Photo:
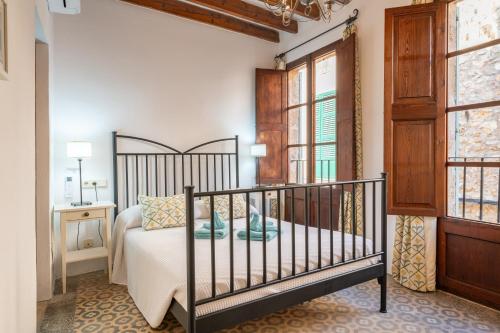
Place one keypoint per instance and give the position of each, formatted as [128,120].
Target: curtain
[358,143]
[412,264]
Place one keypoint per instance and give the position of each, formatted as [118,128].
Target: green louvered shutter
[325,132]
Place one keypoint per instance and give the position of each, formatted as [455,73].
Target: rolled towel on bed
[256,224]
[204,233]
[257,235]
[220,229]
[256,232]
[218,223]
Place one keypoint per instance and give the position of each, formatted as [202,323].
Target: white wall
[17,176]
[146,73]
[370,25]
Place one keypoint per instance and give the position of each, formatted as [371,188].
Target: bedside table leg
[63,254]
[108,244]
[104,222]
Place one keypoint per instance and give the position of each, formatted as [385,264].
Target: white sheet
[128,219]
[153,264]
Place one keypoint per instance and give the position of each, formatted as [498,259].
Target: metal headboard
[166,170]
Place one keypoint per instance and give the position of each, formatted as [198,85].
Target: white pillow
[202,207]
[201,210]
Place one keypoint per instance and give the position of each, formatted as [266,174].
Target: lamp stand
[258,171]
[81,203]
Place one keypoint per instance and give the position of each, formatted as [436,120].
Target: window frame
[310,145]
[473,162]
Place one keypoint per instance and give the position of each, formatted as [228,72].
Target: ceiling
[250,18]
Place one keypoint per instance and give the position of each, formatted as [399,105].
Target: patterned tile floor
[92,305]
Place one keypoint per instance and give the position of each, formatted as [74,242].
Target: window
[297,124]
[312,118]
[473,112]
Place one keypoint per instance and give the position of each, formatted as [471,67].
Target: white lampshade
[258,150]
[79,149]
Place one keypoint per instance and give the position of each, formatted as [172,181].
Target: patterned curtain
[409,261]
[350,30]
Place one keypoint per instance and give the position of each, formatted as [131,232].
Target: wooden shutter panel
[414,106]
[346,167]
[271,124]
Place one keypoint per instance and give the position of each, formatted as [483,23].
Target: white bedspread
[153,263]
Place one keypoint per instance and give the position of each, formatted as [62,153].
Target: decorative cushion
[163,212]
[221,206]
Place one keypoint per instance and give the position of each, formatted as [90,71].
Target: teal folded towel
[218,223]
[220,229]
[256,224]
[256,232]
[257,235]
[204,233]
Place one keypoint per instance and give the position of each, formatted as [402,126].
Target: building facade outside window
[473,111]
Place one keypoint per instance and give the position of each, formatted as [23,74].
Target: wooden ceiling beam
[249,12]
[301,10]
[207,16]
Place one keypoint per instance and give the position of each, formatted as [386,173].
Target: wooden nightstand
[69,214]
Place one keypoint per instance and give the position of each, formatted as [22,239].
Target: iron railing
[483,163]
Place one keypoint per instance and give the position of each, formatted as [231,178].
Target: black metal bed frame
[148,171]
[231,316]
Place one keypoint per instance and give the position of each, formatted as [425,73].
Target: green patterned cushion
[163,212]
[221,205]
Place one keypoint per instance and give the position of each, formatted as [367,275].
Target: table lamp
[258,151]
[79,150]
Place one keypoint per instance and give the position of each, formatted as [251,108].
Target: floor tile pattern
[93,305]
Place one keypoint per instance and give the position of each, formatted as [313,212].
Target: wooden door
[271,124]
[415,150]
[469,259]
[469,236]
[414,107]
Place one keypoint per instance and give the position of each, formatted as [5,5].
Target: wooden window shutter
[271,124]
[346,169]
[414,107]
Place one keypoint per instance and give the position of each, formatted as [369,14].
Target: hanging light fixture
[287,9]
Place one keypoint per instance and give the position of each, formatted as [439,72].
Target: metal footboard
[364,217]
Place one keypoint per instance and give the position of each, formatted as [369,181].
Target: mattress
[153,265]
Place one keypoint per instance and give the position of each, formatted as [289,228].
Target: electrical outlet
[88,243]
[90,183]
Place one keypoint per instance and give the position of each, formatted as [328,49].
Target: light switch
[90,183]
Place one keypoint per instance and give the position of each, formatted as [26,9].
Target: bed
[212,284]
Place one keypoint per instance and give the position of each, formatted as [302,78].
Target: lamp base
[79,204]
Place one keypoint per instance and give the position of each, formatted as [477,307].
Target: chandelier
[287,9]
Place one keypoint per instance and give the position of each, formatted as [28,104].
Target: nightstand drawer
[85,214]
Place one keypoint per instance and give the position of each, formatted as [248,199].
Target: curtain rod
[348,22]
